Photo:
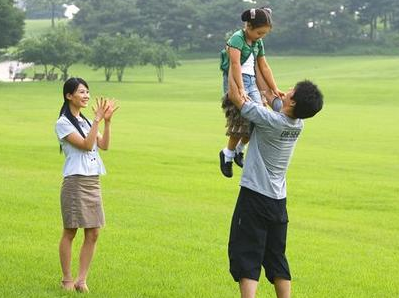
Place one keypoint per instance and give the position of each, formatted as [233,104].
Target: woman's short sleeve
[64,127]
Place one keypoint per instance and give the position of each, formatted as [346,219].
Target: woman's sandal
[68,285]
[81,286]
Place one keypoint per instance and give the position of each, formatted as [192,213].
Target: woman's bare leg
[86,253]
[65,251]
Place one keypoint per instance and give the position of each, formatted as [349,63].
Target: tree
[174,21]
[185,24]
[11,24]
[115,53]
[311,25]
[34,49]
[160,55]
[102,54]
[218,20]
[204,25]
[191,24]
[370,12]
[64,48]
[394,17]
[128,52]
[60,48]
[104,16]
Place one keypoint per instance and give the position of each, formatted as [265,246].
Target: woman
[81,204]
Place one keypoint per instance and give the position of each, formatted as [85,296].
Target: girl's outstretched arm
[234,95]
[235,69]
[267,74]
[264,89]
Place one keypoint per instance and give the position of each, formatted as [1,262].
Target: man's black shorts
[258,237]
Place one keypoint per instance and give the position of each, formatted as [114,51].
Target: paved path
[4,70]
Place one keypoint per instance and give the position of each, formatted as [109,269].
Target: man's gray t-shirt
[270,149]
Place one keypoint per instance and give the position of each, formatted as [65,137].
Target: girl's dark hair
[70,87]
[308,98]
[258,17]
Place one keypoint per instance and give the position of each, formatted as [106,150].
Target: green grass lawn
[167,206]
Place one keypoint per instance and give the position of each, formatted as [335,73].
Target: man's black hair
[308,98]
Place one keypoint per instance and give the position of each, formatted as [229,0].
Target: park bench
[38,76]
[19,76]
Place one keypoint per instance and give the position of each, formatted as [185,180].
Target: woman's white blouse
[78,161]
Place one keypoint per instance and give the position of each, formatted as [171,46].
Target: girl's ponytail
[258,17]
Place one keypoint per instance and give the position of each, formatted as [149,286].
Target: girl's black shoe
[239,159]
[225,167]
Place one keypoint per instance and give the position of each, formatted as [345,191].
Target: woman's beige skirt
[81,204]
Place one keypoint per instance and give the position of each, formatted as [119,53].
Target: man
[259,224]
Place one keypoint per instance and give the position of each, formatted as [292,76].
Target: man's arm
[253,112]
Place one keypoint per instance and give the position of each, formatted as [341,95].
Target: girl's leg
[244,140]
[239,151]
[232,144]
[227,154]
[226,157]
[86,255]
[65,251]
[229,151]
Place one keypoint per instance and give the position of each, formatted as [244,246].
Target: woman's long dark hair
[70,87]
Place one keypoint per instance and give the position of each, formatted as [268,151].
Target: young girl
[243,55]
[81,204]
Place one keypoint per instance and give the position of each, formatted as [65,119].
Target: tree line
[62,47]
[204,25]
[181,26]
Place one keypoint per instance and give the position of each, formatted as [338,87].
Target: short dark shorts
[258,237]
